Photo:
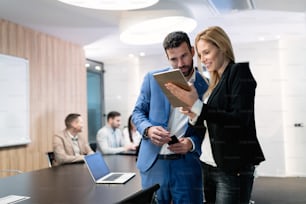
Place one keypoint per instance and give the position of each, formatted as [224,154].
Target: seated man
[68,145]
[110,139]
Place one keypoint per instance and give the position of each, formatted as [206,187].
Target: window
[95,98]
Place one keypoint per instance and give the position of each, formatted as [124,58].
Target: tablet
[176,77]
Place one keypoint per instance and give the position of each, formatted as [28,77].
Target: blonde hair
[220,39]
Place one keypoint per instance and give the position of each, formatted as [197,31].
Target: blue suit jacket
[153,109]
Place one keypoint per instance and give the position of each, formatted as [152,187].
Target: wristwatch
[145,134]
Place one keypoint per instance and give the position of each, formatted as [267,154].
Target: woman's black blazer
[229,114]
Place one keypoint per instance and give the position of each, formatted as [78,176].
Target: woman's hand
[188,112]
[182,147]
[188,97]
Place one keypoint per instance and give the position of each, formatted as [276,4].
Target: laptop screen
[97,165]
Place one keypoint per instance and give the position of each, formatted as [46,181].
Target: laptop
[100,172]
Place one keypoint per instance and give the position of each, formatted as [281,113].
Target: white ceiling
[98,31]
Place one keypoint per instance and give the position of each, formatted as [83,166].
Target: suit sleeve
[140,115]
[196,135]
[240,109]
[87,148]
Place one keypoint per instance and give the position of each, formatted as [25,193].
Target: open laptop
[100,172]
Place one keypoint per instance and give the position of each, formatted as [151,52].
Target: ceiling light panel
[152,27]
[111,4]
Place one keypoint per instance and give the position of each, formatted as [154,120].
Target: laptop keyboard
[112,177]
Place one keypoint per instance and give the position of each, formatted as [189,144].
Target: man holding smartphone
[173,140]
[175,167]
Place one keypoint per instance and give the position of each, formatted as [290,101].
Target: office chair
[144,196]
[93,146]
[51,158]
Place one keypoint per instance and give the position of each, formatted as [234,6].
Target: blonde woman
[230,148]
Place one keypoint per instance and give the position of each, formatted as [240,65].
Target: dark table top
[72,184]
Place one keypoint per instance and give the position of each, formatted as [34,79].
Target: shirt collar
[71,136]
[193,76]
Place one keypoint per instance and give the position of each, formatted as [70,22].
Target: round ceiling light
[151,30]
[111,4]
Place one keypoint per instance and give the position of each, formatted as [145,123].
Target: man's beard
[190,69]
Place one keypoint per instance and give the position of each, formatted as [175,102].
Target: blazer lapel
[215,91]
[217,88]
[68,142]
[167,105]
[163,101]
[81,144]
[200,86]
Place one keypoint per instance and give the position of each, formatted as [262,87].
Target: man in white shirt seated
[110,139]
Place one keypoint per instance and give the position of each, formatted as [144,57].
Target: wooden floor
[268,190]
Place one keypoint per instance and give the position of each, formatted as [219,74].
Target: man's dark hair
[71,117]
[112,115]
[175,39]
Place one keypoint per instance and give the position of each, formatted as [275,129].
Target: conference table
[72,184]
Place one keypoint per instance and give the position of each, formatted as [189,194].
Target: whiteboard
[14,101]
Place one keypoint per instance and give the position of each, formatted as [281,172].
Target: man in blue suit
[175,167]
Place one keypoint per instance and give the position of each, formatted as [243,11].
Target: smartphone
[173,140]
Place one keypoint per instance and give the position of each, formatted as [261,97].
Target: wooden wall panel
[57,87]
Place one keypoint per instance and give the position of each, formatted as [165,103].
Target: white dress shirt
[135,135]
[110,141]
[75,144]
[207,155]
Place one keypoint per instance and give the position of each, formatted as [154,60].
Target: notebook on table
[100,172]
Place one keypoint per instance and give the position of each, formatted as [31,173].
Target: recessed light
[98,68]
[111,4]
[152,26]
[87,65]
[154,31]
[142,54]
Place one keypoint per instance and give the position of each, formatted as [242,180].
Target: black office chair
[93,146]
[51,158]
[145,196]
